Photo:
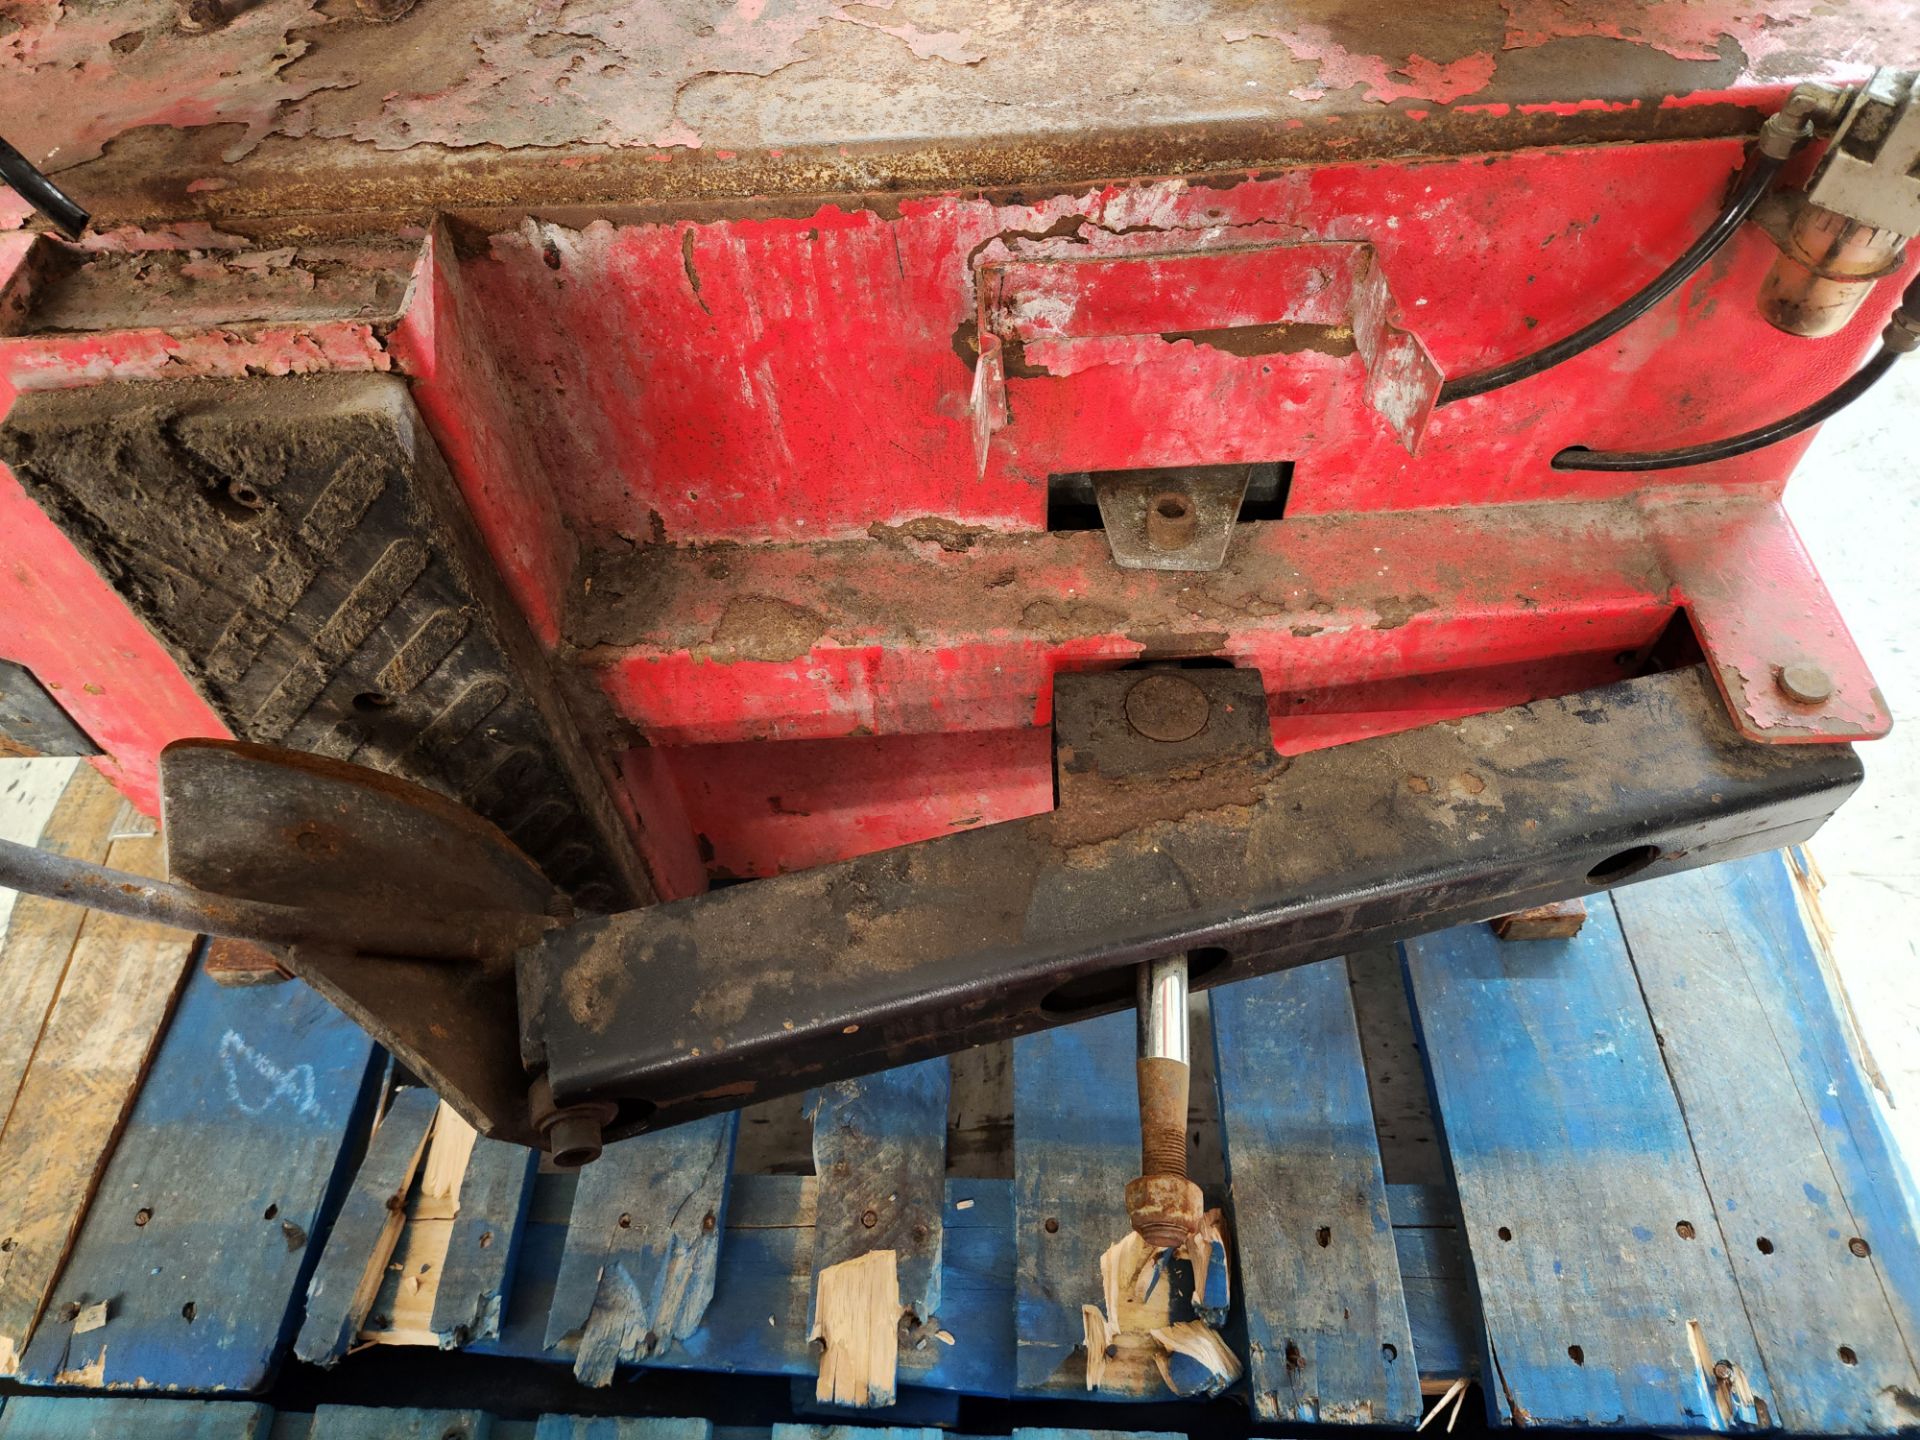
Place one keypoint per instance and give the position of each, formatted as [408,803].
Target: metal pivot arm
[1178,831]
[1183,851]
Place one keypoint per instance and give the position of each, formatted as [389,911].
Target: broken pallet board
[87,1062]
[209,1218]
[758,1319]
[481,1251]
[1574,1168]
[1327,1332]
[642,1245]
[1788,1144]
[354,1264]
[880,1155]
[1076,1129]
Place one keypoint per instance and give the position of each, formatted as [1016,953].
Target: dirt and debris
[756,627]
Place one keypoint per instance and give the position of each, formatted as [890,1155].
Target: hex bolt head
[1805,683]
[1167,707]
[1171,522]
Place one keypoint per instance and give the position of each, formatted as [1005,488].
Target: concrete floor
[1856,499]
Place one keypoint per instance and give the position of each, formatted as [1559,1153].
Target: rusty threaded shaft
[1163,1204]
[1163,1117]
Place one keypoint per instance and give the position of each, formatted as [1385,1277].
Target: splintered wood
[402,1314]
[857,1323]
[1136,1337]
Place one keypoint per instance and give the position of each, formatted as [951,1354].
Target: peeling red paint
[597,72]
[1415,78]
[1700,29]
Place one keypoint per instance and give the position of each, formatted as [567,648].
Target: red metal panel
[697,406]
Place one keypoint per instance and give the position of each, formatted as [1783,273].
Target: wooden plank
[402,1313]
[642,1246]
[620,1427]
[1076,1131]
[1572,1166]
[354,1263]
[101,1028]
[483,1241]
[1437,1281]
[75,1417]
[37,934]
[1327,1333]
[1794,1178]
[1039,1433]
[879,1149]
[757,1322]
[30,791]
[368,1422]
[248,1122]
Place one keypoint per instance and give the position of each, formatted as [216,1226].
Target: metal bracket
[1179,831]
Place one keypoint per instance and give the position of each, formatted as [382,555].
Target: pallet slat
[214,1194]
[643,1245]
[880,1154]
[611,1427]
[1795,1180]
[354,1263]
[368,1422]
[94,1417]
[37,934]
[1076,1128]
[1327,1332]
[1573,1166]
[483,1243]
[101,1028]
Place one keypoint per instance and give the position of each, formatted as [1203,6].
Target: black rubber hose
[41,193]
[1753,184]
[1828,405]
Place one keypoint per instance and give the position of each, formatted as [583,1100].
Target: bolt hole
[188,1311]
[1684,1229]
[1504,1233]
[1052,1227]
[1859,1248]
[1172,507]
[1108,989]
[1323,1237]
[1763,1245]
[1389,1353]
[141,1217]
[1847,1357]
[1576,1355]
[270,1212]
[707,1222]
[486,1239]
[236,502]
[1619,866]
[626,1221]
[870,1218]
[372,700]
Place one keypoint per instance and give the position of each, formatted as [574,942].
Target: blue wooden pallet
[1627,1117]
[109,1418]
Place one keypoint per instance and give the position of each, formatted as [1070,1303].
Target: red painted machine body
[771,475]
